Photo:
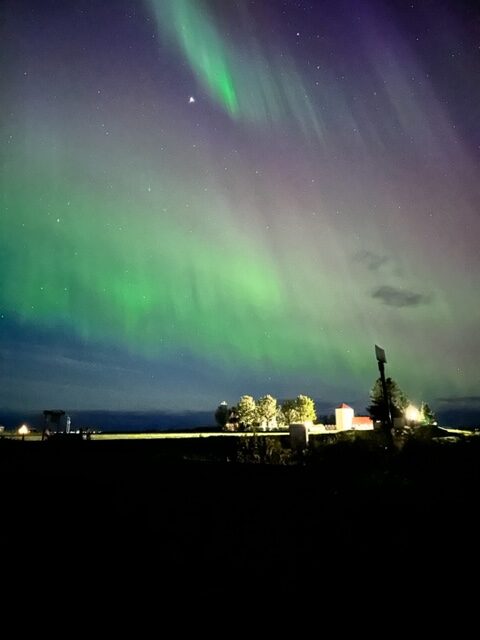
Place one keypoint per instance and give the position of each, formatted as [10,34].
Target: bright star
[191,100]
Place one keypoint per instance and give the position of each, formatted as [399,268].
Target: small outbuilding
[345,420]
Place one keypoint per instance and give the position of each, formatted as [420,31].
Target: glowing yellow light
[23,430]
[412,414]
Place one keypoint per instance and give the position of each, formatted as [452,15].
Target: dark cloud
[395,297]
[463,417]
[373,261]
[134,421]
[462,400]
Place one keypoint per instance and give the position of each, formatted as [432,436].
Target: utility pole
[382,361]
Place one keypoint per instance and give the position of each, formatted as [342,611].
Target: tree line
[265,413]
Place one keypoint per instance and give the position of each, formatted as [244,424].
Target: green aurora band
[262,242]
[248,83]
[128,272]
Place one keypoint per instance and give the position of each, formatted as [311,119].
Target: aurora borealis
[318,195]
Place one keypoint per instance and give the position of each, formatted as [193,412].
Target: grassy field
[202,512]
[156,435]
[183,435]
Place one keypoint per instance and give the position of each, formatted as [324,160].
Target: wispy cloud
[396,297]
[372,261]
[461,400]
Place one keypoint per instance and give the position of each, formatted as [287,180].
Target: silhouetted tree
[222,414]
[398,400]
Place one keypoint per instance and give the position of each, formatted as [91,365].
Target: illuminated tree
[305,409]
[246,411]
[302,409]
[267,411]
[281,420]
[398,400]
[427,416]
[289,411]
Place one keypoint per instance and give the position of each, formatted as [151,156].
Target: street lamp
[412,414]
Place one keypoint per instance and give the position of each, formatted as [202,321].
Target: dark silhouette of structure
[382,361]
[51,422]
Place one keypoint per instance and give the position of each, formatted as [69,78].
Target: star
[191,100]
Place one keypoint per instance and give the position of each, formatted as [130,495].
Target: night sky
[206,198]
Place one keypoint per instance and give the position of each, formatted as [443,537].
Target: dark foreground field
[183,507]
